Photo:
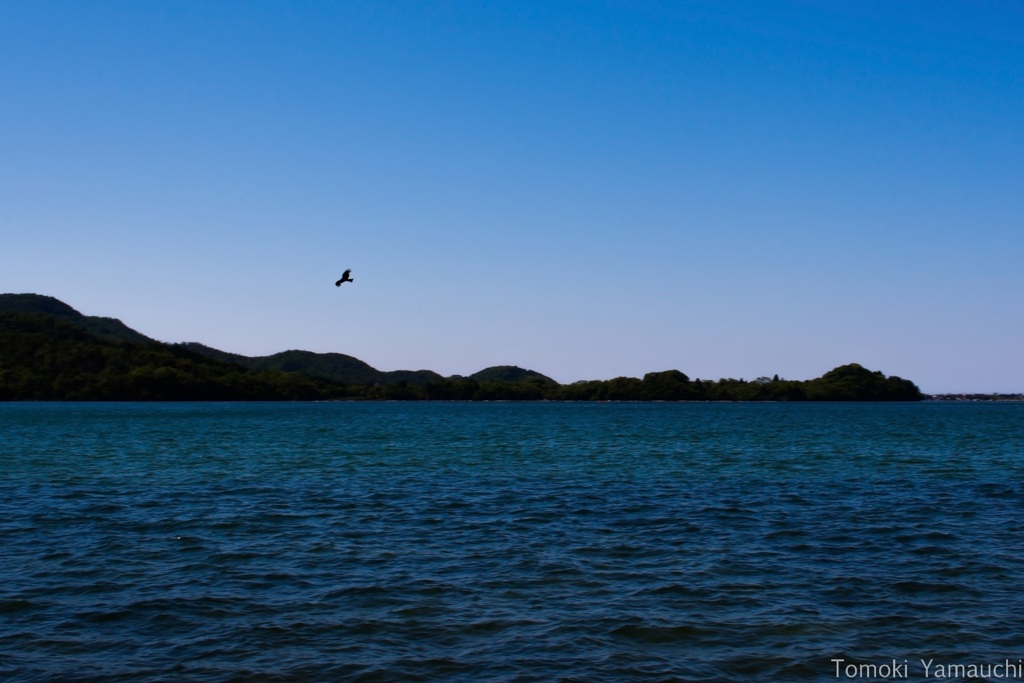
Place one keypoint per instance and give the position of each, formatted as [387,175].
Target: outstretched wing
[344,278]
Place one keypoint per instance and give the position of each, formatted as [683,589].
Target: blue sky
[587,189]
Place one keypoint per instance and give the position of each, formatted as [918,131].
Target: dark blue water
[507,541]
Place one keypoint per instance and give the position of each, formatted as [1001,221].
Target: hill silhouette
[50,351]
[45,357]
[333,367]
[111,328]
[510,373]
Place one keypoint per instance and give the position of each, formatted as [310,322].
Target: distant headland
[51,352]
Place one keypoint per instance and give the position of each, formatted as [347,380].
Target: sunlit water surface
[506,541]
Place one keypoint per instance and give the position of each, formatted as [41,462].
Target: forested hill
[109,328]
[50,351]
[333,367]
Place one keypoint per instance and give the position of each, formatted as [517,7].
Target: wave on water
[505,542]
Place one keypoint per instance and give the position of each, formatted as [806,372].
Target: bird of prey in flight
[344,278]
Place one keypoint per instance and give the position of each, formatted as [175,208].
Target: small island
[51,352]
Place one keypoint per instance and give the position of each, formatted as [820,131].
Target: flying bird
[344,278]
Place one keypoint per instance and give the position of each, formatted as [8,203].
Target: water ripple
[504,542]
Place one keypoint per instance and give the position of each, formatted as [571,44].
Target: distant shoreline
[976,398]
[52,352]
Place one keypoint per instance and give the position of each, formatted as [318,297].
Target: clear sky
[585,189]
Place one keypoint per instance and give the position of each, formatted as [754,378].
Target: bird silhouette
[344,278]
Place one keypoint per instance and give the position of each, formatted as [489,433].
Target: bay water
[510,541]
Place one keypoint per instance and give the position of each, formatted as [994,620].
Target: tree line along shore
[51,352]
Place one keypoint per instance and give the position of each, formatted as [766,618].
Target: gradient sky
[586,189]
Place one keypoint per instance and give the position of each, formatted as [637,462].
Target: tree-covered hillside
[50,351]
[49,306]
[46,358]
[510,373]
